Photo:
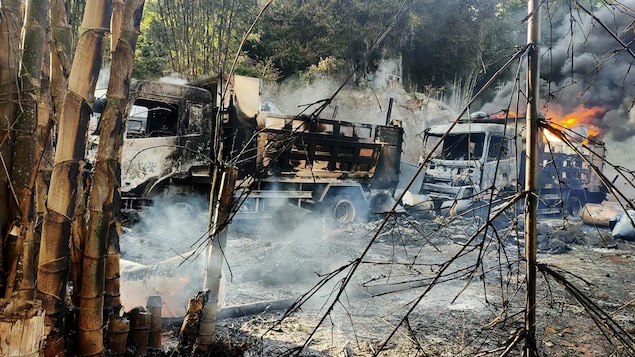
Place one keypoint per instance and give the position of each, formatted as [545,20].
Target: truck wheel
[573,206]
[343,210]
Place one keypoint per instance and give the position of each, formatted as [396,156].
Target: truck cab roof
[491,126]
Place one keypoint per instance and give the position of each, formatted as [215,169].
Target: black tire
[573,206]
[343,210]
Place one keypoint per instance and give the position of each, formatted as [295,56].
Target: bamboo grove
[42,203]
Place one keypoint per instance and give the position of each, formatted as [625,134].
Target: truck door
[194,135]
[499,167]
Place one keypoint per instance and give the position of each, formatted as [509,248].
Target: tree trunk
[73,124]
[104,184]
[9,63]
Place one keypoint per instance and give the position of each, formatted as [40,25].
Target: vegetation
[440,42]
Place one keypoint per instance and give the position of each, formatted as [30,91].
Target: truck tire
[573,206]
[342,209]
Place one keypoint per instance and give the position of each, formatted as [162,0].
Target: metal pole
[533,73]
[389,114]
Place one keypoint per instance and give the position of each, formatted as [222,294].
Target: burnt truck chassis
[325,165]
[338,167]
[566,181]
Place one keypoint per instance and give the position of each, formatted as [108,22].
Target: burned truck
[483,158]
[327,165]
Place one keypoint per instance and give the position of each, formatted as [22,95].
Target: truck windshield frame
[152,119]
[460,146]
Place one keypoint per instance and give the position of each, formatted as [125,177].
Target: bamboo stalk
[154,306]
[21,330]
[117,335]
[9,62]
[140,330]
[79,234]
[112,298]
[115,23]
[54,251]
[215,258]
[191,323]
[61,51]
[101,200]
[531,175]
[25,164]
[38,180]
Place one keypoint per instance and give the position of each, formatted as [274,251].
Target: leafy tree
[198,36]
[448,41]
[297,34]
[151,54]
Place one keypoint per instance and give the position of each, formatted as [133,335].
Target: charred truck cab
[327,165]
[473,158]
[166,142]
[479,159]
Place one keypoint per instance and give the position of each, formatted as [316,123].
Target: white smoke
[174,78]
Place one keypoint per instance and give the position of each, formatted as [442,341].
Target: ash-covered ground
[452,287]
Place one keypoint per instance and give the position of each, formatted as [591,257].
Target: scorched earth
[432,286]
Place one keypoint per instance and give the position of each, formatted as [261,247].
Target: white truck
[484,157]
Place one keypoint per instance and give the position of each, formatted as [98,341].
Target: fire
[502,115]
[579,123]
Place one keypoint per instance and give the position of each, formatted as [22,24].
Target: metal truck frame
[478,160]
[327,165]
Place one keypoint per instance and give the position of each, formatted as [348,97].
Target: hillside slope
[364,104]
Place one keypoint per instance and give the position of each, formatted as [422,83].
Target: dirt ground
[462,296]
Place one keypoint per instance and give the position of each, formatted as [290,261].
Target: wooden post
[531,175]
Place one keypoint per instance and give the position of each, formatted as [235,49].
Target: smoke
[104,77]
[583,66]
[157,254]
[174,78]
[293,96]
[266,259]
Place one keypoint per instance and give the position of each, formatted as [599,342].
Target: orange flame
[502,115]
[581,117]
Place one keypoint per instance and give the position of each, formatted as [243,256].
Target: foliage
[295,35]
[453,41]
[192,37]
[151,53]
[439,43]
